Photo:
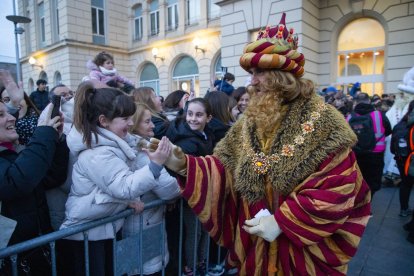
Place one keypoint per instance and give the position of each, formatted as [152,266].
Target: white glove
[265,227]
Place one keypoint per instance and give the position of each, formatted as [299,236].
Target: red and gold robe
[322,210]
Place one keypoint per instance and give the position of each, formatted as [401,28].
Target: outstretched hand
[161,153]
[15,91]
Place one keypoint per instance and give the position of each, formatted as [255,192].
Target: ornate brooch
[262,162]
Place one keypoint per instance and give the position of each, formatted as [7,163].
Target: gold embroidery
[262,162]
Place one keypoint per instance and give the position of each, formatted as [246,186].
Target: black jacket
[363,109]
[219,129]
[191,142]
[23,178]
[40,98]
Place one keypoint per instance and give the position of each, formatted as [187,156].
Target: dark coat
[363,109]
[25,176]
[40,99]
[224,86]
[219,129]
[161,124]
[190,141]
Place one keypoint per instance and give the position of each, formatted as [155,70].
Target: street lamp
[18,30]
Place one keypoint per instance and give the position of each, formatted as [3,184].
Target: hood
[91,65]
[363,108]
[105,138]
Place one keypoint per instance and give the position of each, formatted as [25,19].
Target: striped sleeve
[326,215]
[207,190]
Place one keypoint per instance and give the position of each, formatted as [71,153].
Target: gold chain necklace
[262,163]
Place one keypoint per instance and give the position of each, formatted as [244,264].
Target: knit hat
[274,48]
[408,82]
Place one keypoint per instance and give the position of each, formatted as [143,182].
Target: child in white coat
[104,183]
[165,188]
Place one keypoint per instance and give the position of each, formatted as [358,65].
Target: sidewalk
[384,249]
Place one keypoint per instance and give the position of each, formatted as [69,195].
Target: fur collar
[331,134]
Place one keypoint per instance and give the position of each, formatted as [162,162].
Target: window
[172,15]
[213,10]
[57,79]
[192,11]
[361,55]
[185,75]
[41,14]
[154,18]
[98,21]
[218,69]
[30,85]
[149,77]
[138,23]
[54,19]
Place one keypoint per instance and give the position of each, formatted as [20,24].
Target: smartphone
[56,106]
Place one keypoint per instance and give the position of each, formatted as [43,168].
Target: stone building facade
[154,42]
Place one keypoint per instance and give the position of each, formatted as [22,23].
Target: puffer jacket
[103,181]
[96,74]
[165,188]
[190,141]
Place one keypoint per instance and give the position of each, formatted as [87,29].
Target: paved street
[384,249]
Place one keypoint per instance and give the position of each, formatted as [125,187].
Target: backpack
[409,163]
[363,127]
[399,144]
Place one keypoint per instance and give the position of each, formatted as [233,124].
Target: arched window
[218,69]
[185,75]
[57,79]
[43,76]
[149,77]
[30,85]
[360,55]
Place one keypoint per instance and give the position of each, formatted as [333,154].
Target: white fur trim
[408,82]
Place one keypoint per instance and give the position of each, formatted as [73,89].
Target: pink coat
[96,74]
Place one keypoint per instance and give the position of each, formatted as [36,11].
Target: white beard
[399,108]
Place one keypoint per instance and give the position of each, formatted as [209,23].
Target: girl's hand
[161,154]
[138,206]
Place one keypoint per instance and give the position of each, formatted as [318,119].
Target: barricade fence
[129,253]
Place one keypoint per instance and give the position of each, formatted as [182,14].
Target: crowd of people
[277,175]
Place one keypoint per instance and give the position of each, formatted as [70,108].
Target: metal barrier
[123,260]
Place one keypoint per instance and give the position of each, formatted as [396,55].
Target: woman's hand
[162,152]
[15,91]
[45,120]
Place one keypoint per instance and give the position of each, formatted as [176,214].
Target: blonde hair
[138,116]
[144,95]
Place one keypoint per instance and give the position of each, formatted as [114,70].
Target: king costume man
[290,154]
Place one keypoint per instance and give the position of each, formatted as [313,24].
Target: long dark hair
[90,103]
[220,106]
[173,100]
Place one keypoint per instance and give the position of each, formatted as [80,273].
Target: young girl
[103,180]
[102,69]
[165,188]
[222,117]
[195,138]
[147,96]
